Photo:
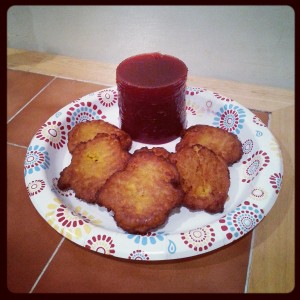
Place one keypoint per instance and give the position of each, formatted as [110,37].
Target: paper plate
[255,182]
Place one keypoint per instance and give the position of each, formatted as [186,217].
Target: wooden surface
[272,259]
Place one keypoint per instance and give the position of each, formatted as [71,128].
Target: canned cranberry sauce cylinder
[151,91]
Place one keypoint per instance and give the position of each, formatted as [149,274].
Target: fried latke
[204,177]
[220,141]
[85,131]
[93,162]
[143,194]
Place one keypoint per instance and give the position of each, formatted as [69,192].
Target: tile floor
[39,260]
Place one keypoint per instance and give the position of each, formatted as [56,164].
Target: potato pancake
[220,141]
[93,162]
[143,194]
[204,177]
[85,131]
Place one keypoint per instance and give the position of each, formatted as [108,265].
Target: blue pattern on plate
[36,159]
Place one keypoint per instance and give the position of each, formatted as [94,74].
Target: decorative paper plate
[255,182]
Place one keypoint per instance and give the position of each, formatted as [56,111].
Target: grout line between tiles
[47,265]
[249,263]
[31,100]
[16,145]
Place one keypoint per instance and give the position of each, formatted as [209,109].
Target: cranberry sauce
[151,91]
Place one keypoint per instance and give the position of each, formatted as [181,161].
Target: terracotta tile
[58,94]
[21,87]
[77,270]
[30,240]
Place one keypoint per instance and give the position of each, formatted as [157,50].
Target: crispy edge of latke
[231,158]
[158,151]
[124,138]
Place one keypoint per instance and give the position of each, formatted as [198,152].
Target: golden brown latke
[93,162]
[143,194]
[220,141]
[158,151]
[204,177]
[85,131]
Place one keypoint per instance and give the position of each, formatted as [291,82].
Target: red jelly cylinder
[151,92]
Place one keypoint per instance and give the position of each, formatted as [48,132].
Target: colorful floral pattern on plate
[256,182]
